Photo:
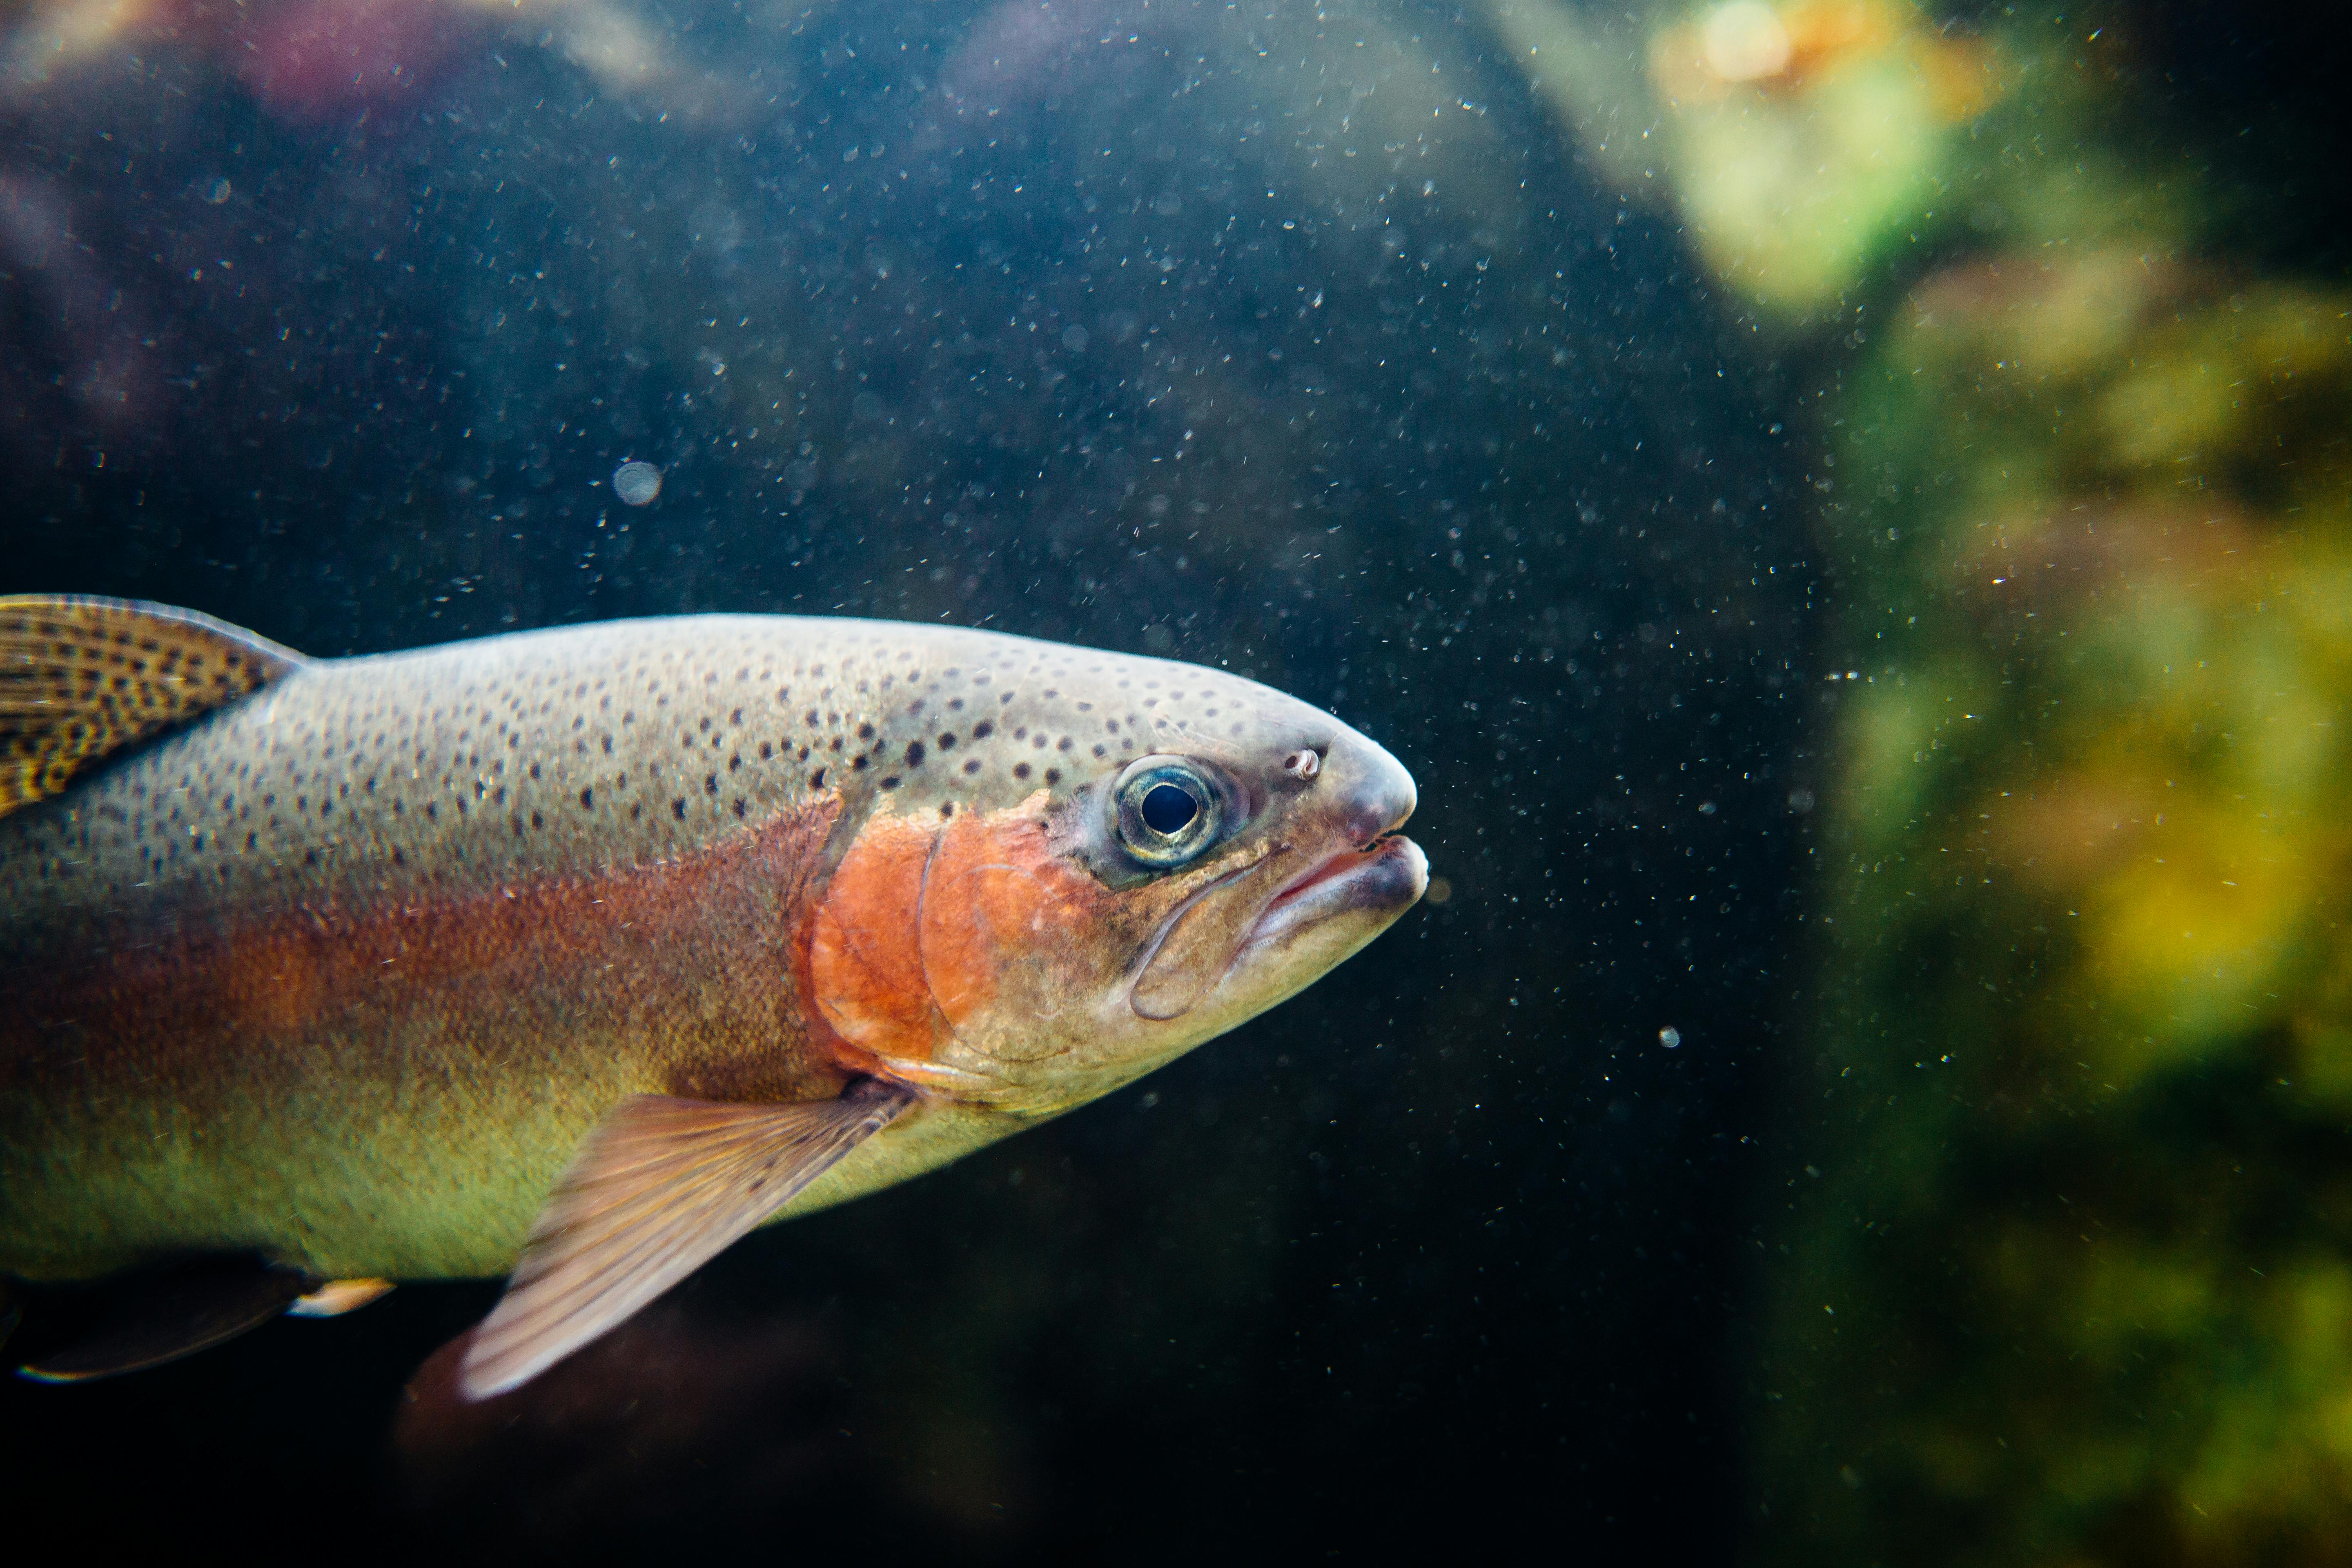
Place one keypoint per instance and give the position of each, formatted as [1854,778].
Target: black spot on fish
[1021,770]
[890,781]
[765,751]
[972,766]
[588,798]
[859,763]
[947,739]
[1053,776]
[536,821]
[914,753]
[866,731]
[982,730]
[739,805]
[711,783]
[678,809]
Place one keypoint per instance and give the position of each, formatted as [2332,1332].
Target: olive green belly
[382,1093]
[439,1175]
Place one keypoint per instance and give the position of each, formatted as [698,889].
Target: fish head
[1033,953]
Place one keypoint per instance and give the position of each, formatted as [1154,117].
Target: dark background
[1298,346]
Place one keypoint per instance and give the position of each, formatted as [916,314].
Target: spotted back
[400,777]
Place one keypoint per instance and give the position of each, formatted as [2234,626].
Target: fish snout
[1372,792]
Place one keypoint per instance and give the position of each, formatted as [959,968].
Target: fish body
[348,970]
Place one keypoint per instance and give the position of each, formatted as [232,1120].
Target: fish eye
[1168,811]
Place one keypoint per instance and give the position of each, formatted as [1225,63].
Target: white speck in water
[636,483]
[1669,1036]
[217,192]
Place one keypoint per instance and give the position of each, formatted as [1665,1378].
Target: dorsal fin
[83,677]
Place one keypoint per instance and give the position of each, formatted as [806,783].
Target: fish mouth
[1371,886]
[1386,876]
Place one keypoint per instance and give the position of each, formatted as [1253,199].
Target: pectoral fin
[148,1319]
[662,1187]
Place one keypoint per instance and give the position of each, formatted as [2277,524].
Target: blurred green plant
[2069,1276]
[2085,1227]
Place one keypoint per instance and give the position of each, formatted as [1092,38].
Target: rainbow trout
[576,954]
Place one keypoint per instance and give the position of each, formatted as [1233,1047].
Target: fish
[576,954]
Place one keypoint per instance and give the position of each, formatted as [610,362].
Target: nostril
[1303,764]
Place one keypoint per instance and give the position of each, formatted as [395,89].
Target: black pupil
[1168,809]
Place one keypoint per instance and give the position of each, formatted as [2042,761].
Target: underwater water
[1725,452]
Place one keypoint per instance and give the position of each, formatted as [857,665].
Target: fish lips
[1383,879]
[1376,883]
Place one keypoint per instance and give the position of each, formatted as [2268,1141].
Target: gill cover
[922,927]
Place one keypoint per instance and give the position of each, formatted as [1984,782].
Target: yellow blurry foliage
[2157,664]
[1807,135]
[2088,1223]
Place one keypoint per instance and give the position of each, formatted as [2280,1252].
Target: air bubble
[636,483]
